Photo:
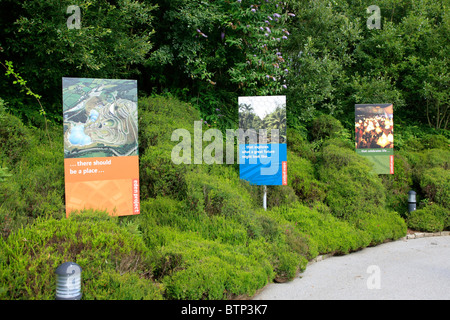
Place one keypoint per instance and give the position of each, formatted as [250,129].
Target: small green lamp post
[411,201]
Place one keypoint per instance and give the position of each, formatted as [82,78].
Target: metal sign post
[265,198]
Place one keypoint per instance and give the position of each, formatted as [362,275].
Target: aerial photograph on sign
[100,118]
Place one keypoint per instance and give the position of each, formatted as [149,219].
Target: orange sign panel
[101,145]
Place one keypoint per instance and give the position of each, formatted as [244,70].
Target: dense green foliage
[114,40]
[202,233]
[338,61]
[115,261]
[431,218]
[321,54]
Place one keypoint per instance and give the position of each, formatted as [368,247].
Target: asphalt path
[414,269]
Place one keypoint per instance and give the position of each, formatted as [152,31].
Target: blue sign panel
[263,164]
[262,146]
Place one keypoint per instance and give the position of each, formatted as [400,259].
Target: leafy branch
[8,65]
[4,174]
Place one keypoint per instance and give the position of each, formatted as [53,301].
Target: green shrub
[162,211]
[160,116]
[298,144]
[341,143]
[418,138]
[351,187]
[435,158]
[113,285]
[398,185]
[216,194]
[159,176]
[280,195]
[296,240]
[435,184]
[4,174]
[321,233]
[287,264]
[15,138]
[431,218]
[301,178]
[263,226]
[334,156]
[173,214]
[435,141]
[36,185]
[214,270]
[2,108]
[430,174]
[412,144]
[382,226]
[427,159]
[326,126]
[110,256]
[203,256]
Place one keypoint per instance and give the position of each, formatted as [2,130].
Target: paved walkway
[413,269]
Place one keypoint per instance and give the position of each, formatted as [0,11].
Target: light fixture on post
[411,201]
[68,281]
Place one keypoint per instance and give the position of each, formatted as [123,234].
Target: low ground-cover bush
[15,138]
[160,116]
[218,191]
[215,270]
[384,225]
[34,186]
[159,176]
[322,232]
[175,214]
[298,144]
[202,233]
[398,185]
[302,179]
[110,255]
[255,243]
[430,218]
[204,257]
[351,187]
[327,127]
[435,184]
[419,141]
[431,180]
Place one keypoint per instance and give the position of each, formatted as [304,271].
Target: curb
[416,235]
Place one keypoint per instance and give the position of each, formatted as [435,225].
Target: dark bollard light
[68,281]
[411,201]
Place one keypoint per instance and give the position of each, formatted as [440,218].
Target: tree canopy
[322,54]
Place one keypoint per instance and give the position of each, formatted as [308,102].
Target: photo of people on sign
[374,135]
[101,145]
[262,148]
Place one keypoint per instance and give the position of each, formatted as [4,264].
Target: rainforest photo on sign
[264,113]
